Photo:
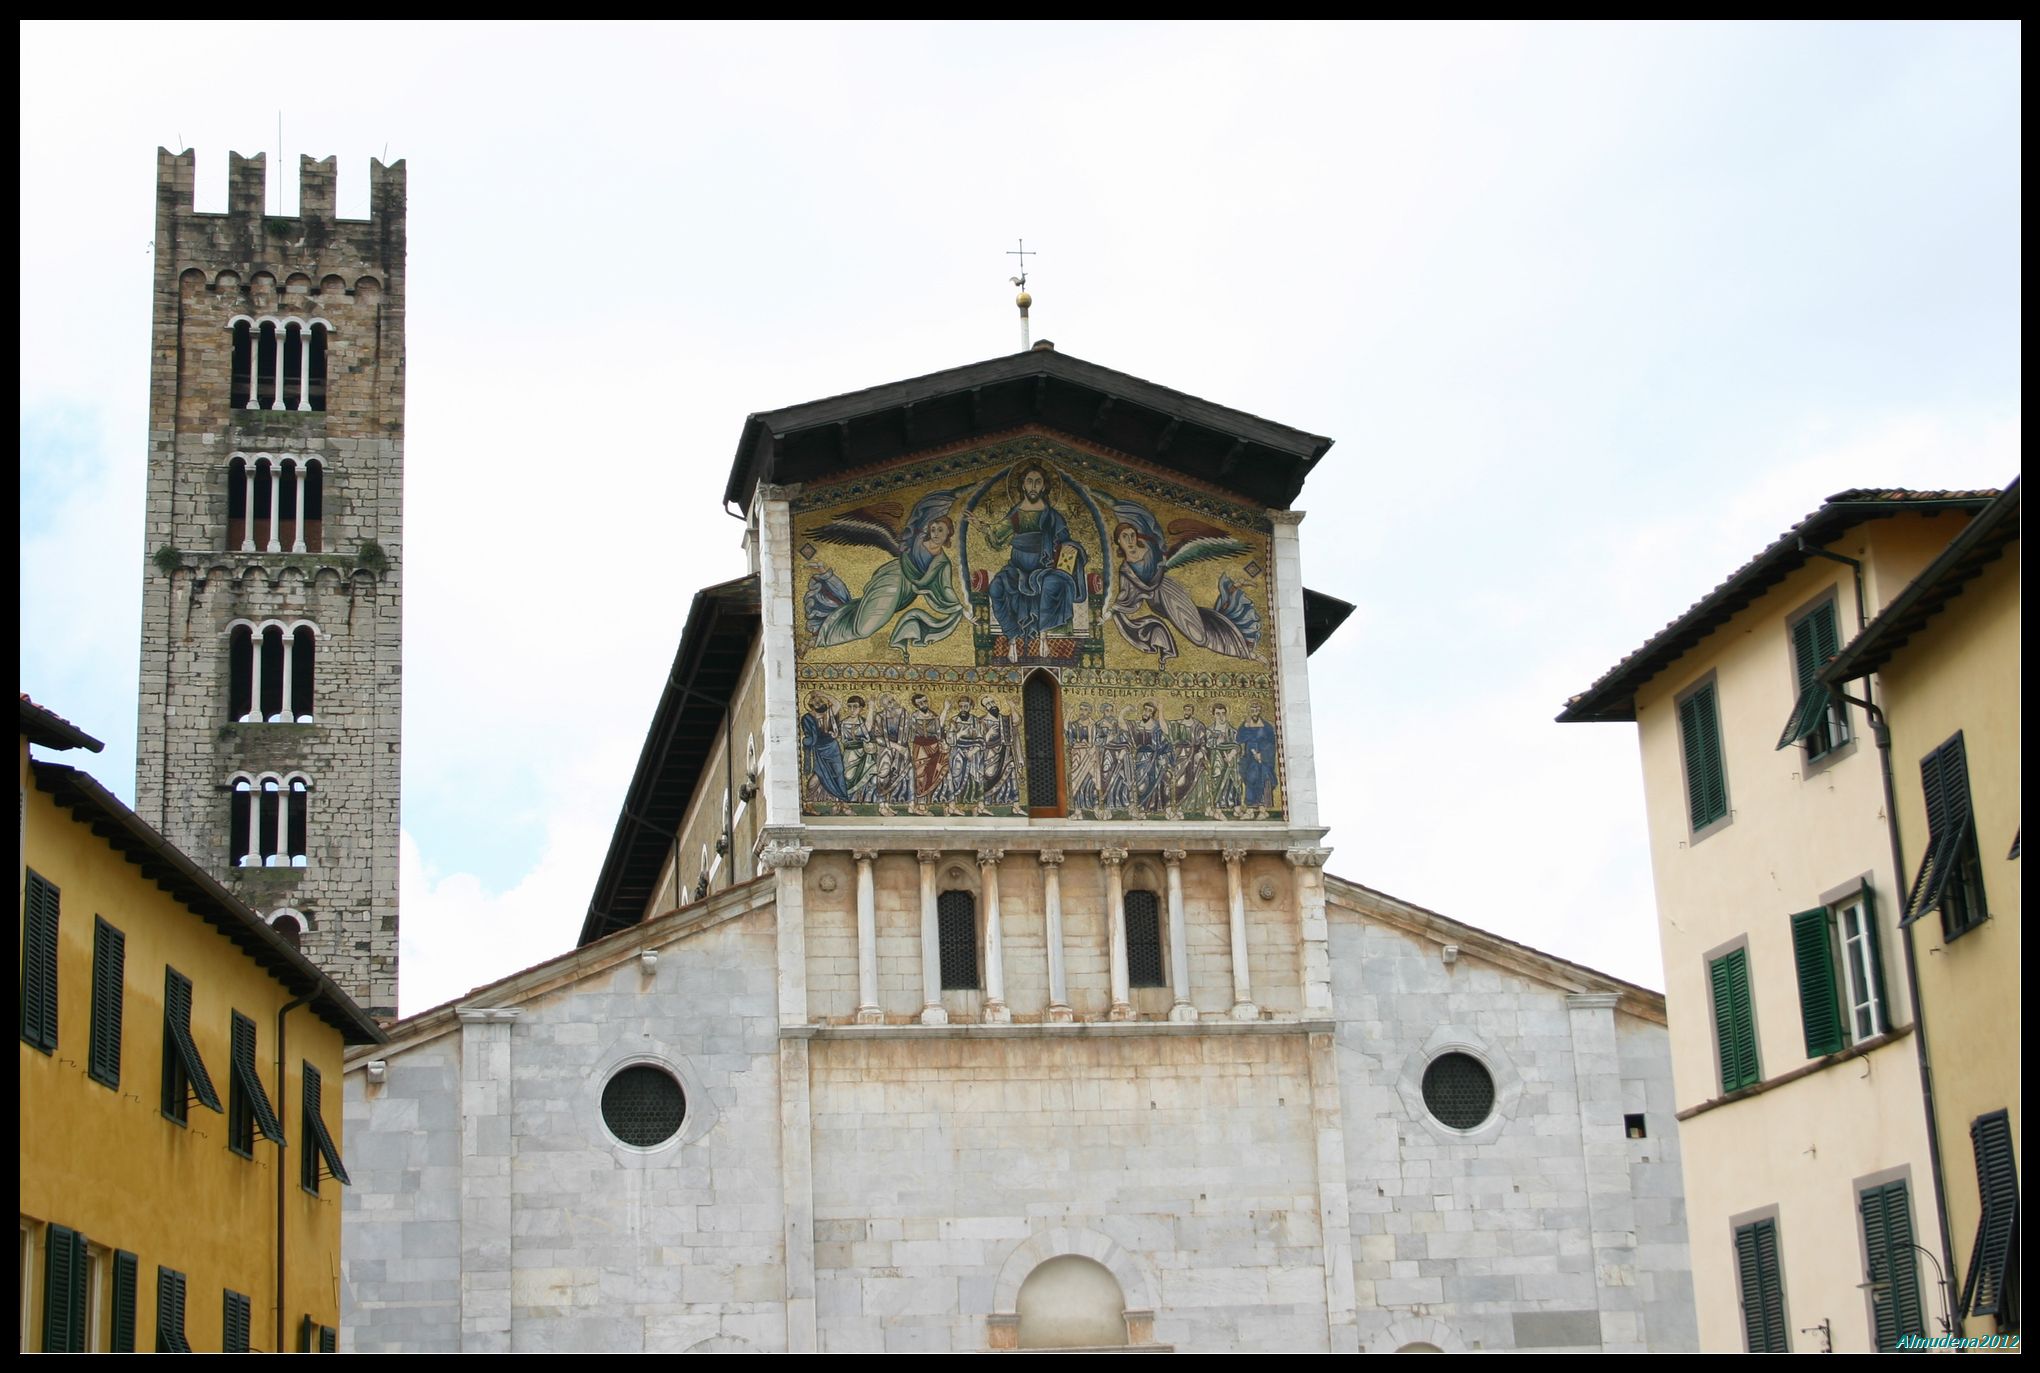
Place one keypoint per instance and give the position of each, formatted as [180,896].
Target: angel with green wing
[1153,611]
[921,570]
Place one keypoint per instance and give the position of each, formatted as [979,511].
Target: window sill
[1694,838]
[1854,1051]
[1817,766]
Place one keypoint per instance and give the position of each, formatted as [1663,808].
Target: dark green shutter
[1706,779]
[40,904]
[1876,938]
[1820,1009]
[329,1340]
[234,1322]
[182,1048]
[1763,1290]
[126,1268]
[248,1080]
[1735,1024]
[1997,1229]
[1894,1276]
[319,1148]
[109,990]
[308,1335]
[1944,781]
[1814,642]
[170,1337]
[65,1277]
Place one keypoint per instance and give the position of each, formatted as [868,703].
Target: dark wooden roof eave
[41,725]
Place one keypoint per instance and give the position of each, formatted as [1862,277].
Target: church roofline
[1245,453]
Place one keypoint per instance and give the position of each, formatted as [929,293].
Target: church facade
[965,973]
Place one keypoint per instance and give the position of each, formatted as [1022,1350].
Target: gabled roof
[1613,697]
[1255,457]
[41,725]
[172,870]
[713,647]
[1941,581]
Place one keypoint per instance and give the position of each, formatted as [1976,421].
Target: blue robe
[824,755]
[1257,762]
[1030,594]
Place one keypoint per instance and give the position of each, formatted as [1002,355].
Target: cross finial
[1023,252]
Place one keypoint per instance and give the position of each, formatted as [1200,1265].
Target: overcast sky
[1592,312]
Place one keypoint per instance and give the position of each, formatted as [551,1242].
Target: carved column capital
[1288,517]
[1049,858]
[1233,854]
[864,855]
[928,856]
[1112,858]
[767,491]
[778,856]
[990,857]
[1307,858]
[1174,857]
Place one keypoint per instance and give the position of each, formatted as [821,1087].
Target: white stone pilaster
[486,1160]
[777,609]
[1115,911]
[932,1011]
[1604,1150]
[1179,940]
[1335,1224]
[789,860]
[1236,906]
[1059,1012]
[996,1011]
[868,1012]
[1292,671]
[797,1175]
[1313,945]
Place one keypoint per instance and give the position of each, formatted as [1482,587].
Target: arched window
[290,925]
[1041,715]
[270,673]
[279,364]
[956,936]
[275,504]
[1144,940]
[1071,1302]
[269,822]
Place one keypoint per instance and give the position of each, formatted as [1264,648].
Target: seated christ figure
[1038,588]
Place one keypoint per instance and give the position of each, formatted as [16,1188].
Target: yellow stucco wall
[110,1165]
[1795,833]
[1962,673]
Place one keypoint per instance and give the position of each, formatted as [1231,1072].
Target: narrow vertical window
[304,644]
[1866,1007]
[65,1278]
[1819,718]
[956,924]
[315,504]
[1706,777]
[40,901]
[1144,940]
[262,511]
[270,674]
[1041,719]
[237,502]
[1894,1275]
[294,832]
[234,1323]
[170,1337]
[1735,1021]
[1763,1288]
[109,992]
[121,1335]
[315,371]
[243,365]
[241,673]
[1820,1009]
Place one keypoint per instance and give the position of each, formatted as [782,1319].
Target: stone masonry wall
[211,268]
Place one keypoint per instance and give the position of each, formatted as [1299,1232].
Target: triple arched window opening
[280,363]
[275,503]
[270,820]
[956,921]
[271,669]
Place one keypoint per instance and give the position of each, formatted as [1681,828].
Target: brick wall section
[209,269]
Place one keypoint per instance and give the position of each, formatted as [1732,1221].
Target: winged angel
[921,571]
[1154,611]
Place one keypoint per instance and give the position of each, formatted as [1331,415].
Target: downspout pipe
[1880,730]
[282,1151]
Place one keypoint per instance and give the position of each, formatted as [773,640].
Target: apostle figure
[1222,764]
[924,748]
[1154,612]
[1115,762]
[962,788]
[1080,747]
[1002,763]
[1186,757]
[889,721]
[823,751]
[1037,590]
[853,736]
[1150,761]
[1257,762]
[921,570]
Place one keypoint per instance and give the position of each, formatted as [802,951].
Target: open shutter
[126,1267]
[109,990]
[178,1040]
[249,1080]
[64,1282]
[1813,643]
[1944,778]
[1820,1010]
[1997,1230]
[319,1148]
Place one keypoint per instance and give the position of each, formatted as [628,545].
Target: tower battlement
[248,185]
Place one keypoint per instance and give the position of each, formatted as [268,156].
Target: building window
[1735,1020]
[1864,1005]
[39,908]
[234,1322]
[280,364]
[1950,876]
[248,1108]
[1144,940]
[1706,775]
[320,1158]
[643,1106]
[956,928]
[268,820]
[1992,1287]
[170,1313]
[121,1333]
[1820,719]
[1459,1092]
[270,674]
[184,1076]
[1041,719]
[1894,1276]
[275,503]
[1763,1288]
[314,1338]
[290,925]
[67,1273]
[109,991]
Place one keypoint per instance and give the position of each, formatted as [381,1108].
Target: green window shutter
[1984,1291]
[1763,1290]
[308,1335]
[1894,1276]
[1820,1008]
[64,1281]
[182,1050]
[1944,781]
[39,909]
[329,1340]
[1735,1023]
[1813,643]
[126,1268]
[319,1151]
[170,1338]
[1876,938]
[109,991]
[1706,779]
[248,1080]
[234,1323]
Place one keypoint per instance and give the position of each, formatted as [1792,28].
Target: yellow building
[1946,654]
[1809,1172]
[179,1091]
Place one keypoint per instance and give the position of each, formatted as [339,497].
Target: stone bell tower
[272,609]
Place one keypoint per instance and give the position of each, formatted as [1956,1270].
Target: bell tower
[272,603]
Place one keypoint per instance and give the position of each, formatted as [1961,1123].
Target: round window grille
[1458,1090]
[643,1106]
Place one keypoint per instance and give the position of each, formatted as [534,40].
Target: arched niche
[1071,1302]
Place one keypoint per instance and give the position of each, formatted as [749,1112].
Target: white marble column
[1059,1012]
[1115,913]
[253,857]
[281,858]
[1236,906]
[304,367]
[779,607]
[996,1010]
[297,476]
[248,505]
[868,1012]
[254,366]
[275,544]
[1313,945]
[288,708]
[256,634]
[282,338]
[1179,941]
[1292,665]
[932,1012]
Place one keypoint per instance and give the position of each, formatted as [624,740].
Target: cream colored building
[1796,1053]
[1946,654]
